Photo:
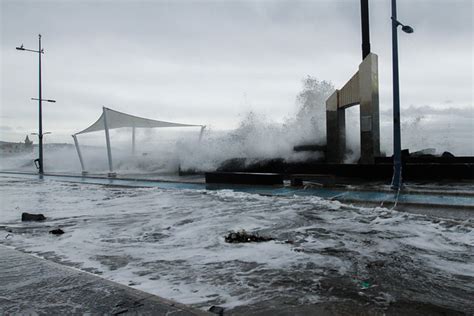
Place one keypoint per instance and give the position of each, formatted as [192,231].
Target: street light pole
[40,133]
[40,105]
[397,149]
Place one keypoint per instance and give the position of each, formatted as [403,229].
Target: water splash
[161,151]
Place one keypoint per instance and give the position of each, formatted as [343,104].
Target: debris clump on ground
[243,237]
[58,231]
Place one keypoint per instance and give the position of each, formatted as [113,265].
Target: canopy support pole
[78,149]
[133,140]
[107,140]
[202,132]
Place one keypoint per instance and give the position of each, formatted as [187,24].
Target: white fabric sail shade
[111,119]
[116,119]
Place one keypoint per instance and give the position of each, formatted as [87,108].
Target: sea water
[171,243]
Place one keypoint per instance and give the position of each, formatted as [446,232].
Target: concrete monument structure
[362,89]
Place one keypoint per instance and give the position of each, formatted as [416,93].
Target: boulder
[32,217]
[447,154]
[430,152]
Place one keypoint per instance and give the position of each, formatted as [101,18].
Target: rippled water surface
[171,243]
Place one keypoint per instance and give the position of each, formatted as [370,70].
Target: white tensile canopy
[111,119]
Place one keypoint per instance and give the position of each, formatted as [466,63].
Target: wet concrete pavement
[31,285]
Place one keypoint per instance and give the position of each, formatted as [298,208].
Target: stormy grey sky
[210,62]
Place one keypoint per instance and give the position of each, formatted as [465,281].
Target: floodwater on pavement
[171,243]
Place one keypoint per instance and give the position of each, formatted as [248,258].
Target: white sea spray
[171,242]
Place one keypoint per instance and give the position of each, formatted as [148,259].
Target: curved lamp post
[40,51]
[397,150]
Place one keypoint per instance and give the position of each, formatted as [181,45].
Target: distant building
[28,142]
[7,148]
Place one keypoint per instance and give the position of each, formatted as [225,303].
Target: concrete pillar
[335,130]
[369,110]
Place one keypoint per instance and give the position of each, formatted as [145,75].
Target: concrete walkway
[31,285]
[453,200]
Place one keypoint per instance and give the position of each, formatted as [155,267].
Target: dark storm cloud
[210,61]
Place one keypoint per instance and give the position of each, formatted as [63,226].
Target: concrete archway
[362,89]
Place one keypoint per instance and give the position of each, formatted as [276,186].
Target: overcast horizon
[209,62]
